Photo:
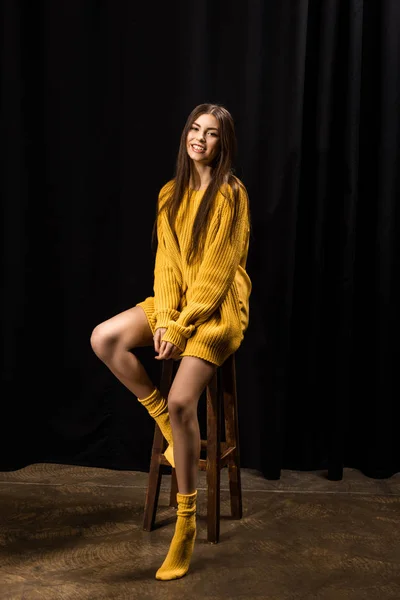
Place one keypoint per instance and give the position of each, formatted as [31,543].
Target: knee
[181,408]
[103,341]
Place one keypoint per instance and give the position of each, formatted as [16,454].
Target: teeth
[196,147]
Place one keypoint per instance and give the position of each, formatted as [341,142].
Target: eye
[193,127]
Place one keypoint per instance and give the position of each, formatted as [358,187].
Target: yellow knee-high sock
[157,407]
[180,551]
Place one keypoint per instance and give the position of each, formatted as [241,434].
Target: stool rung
[224,445]
[223,460]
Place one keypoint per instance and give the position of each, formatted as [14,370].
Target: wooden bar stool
[221,397]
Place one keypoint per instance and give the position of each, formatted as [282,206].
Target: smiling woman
[200,308]
[203,140]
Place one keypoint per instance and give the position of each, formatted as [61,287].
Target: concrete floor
[69,532]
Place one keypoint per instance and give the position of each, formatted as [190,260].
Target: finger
[168,350]
[161,350]
[160,353]
[175,354]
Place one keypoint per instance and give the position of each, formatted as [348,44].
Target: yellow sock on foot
[180,551]
[169,455]
[157,407]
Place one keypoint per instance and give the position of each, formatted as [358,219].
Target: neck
[200,176]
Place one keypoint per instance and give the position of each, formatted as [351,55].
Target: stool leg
[159,443]
[174,482]
[154,482]
[213,460]
[232,434]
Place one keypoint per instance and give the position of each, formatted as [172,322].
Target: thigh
[130,328]
[191,378]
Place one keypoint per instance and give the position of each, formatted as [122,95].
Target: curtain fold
[93,98]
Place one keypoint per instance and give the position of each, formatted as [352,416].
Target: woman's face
[203,141]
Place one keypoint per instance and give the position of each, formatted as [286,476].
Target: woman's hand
[166,350]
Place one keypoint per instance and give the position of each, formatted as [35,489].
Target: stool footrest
[223,460]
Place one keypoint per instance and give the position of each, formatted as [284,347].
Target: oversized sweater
[186,296]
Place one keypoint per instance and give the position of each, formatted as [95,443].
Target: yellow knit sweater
[186,296]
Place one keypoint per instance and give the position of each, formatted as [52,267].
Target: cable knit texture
[157,407]
[176,563]
[205,305]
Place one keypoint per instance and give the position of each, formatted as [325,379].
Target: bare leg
[113,340]
[189,383]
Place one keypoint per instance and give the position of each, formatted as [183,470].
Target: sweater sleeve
[167,289]
[216,273]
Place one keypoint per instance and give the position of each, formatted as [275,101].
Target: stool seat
[221,401]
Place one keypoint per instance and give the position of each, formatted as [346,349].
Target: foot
[177,562]
[169,455]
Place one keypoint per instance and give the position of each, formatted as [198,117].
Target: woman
[200,308]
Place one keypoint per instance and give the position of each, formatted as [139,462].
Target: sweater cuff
[163,317]
[178,334]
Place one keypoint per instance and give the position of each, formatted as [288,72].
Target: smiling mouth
[197,148]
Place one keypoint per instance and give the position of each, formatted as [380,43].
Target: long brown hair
[221,173]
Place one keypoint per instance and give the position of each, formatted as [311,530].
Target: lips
[198,148]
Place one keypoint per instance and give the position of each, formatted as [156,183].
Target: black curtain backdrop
[94,96]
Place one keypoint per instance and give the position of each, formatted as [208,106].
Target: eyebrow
[197,125]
